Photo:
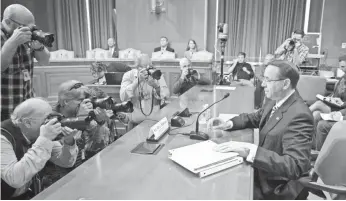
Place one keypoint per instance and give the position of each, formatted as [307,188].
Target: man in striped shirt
[17,54]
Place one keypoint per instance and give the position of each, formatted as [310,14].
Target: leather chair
[309,86]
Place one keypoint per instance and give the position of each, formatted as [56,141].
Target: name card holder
[158,130]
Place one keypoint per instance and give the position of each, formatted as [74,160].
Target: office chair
[328,176]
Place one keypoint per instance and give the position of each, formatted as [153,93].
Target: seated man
[338,94]
[285,129]
[164,45]
[240,69]
[145,92]
[21,161]
[324,126]
[112,50]
[188,78]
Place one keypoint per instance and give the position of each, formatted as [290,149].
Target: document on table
[225,87]
[200,156]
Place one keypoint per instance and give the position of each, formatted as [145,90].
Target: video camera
[223,31]
[46,39]
[155,73]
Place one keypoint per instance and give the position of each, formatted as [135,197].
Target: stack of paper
[200,158]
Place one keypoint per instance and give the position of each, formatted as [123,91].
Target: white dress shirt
[18,174]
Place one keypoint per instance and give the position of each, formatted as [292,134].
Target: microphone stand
[197,132]
[222,45]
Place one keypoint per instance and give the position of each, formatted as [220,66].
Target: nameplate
[158,130]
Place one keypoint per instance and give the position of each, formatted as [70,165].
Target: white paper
[225,87]
[200,155]
[227,117]
[327,117]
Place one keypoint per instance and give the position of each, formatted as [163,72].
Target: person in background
[164,45]
[285,130]
[293,50]
[188,78]
[21,161]
[339,94]
[112,49]
[240,69]
[324,126]
[259,73]
[17,57]
[190,49]
[98,70]
[145,92]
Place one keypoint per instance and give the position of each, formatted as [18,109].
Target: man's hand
[235,61]
[36,45]
[85,107]
[109,113]
[337,116]
[21,36]
[219,124]
[152,82]
[143,74]
[51,129]
[242,148]
[101,115]
[70,135]
[184,73]
[245,69]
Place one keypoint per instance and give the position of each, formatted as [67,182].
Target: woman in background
[190,49]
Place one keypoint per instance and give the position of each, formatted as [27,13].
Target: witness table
[116,173]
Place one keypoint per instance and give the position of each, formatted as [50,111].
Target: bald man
[188,78]
[146,93]
[27,144]
[17,57]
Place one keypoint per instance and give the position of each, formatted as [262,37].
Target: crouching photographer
[26,146]
[188,78]
[146,88]
[293,50]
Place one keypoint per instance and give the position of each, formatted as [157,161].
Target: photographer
[293,50]
[143,90]
[21,161]
[188,78]
[17,57]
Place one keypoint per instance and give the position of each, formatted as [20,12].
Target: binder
[202,160]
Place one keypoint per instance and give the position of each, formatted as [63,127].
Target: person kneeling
[20,161]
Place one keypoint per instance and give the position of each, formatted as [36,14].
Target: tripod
[222,45]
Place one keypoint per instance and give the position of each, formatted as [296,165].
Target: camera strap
[140,91]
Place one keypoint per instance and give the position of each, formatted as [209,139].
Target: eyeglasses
[20,24]
[266,80]
[76,86]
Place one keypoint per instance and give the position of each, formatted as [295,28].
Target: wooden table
[116,173]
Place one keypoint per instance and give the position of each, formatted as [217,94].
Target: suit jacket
[115,53]
[283,154]
[169,49]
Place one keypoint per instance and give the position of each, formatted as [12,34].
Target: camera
[223,31]
[46,39]
[108,103]
[79,123]
[292,44]
[192,72]
[155,73]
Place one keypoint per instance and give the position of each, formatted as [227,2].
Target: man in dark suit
[113,52]
[164,45]
[285,133]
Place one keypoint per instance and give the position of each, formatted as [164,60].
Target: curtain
[256,26]
[68,20]
[102,19]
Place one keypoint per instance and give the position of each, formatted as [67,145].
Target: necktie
[273,110]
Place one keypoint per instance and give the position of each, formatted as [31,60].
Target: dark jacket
[169,49]
[181,86]
[241,74]
[283,155]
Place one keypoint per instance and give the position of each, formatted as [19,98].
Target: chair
[129,53]
[329,172]
[309,86]
[202,56]
[97,53]
[61,54]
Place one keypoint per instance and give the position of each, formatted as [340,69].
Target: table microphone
[197,135]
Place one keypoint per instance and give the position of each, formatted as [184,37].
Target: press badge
[26,75]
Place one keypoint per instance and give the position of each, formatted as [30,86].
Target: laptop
[114,78]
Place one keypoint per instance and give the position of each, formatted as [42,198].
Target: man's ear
[287,83]
[26,123]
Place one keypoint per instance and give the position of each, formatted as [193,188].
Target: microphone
[197,135]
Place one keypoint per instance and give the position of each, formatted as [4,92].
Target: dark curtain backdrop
[68,20]
[102,20]
[259,25]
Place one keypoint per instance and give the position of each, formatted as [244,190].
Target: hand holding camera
[70,135]
[143,75]
[85,107]
[51,129]
[184,73]
[153,82]
[36,45]
[21,35]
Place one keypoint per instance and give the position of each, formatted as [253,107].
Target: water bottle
[204,116]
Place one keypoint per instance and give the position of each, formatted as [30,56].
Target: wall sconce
[157,6]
